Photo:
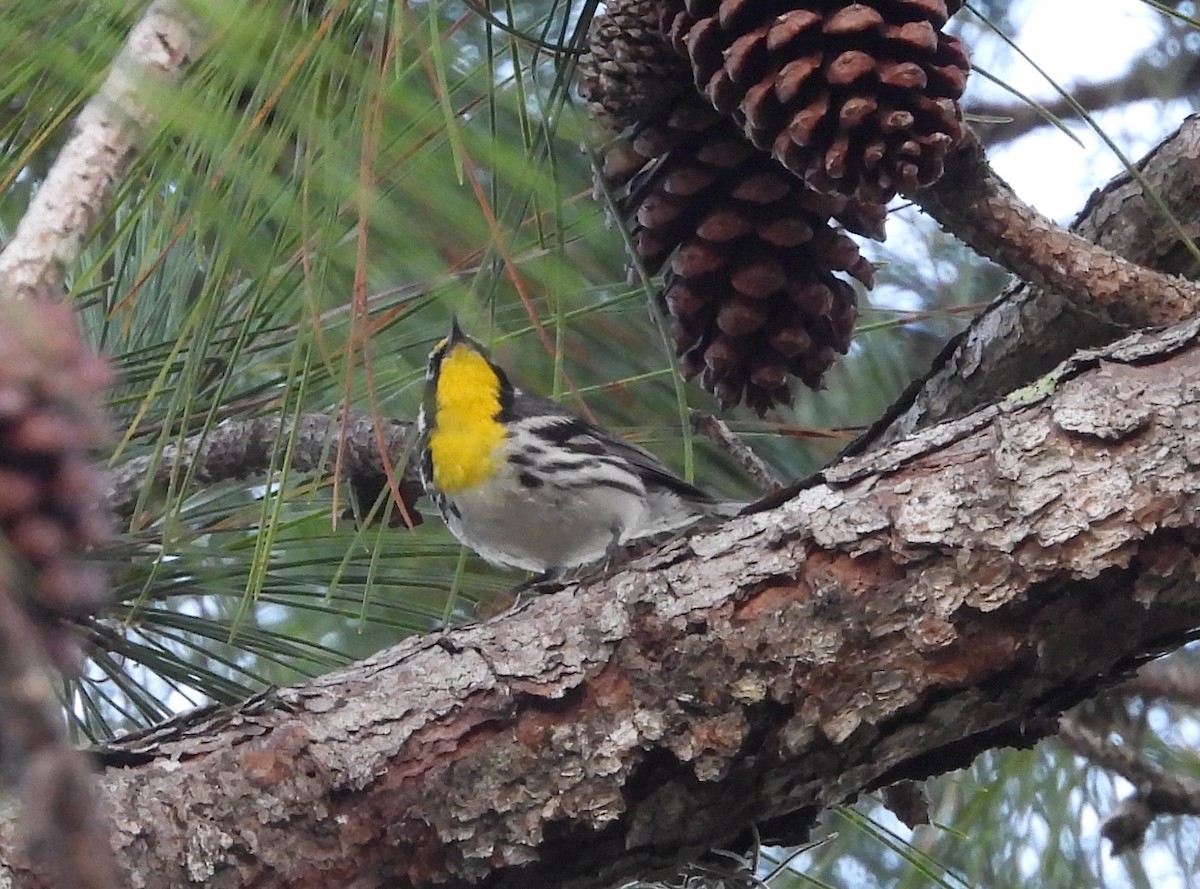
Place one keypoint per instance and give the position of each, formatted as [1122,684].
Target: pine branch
[980,208]
[76,193]
[238,449]
[1179,77]
[909,609]
[1030,328]
[1164,682]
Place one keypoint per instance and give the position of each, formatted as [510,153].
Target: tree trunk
[907,610]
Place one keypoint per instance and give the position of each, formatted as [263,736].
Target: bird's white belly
[546,527]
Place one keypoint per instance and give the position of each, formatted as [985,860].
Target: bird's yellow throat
[466,437]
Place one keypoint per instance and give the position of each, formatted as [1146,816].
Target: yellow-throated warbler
[527,484]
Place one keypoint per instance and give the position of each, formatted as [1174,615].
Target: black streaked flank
[447,506]
[588,446]
[601,482]
[550,467]
[559,433]
[529,480]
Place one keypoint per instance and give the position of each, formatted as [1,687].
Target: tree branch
[891,621]
[1178,77]
[1163,681]
[1030,329]
[238,449]
[980,208]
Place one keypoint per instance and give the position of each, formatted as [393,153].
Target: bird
[529,485]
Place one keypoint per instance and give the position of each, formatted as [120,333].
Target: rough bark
[907,610]
[983,211]
[239,449]
[1029,330]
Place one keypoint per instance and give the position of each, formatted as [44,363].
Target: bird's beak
[456,333]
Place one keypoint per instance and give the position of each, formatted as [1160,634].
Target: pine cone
[51,493]
[859,99]
[750,254]
[629,72]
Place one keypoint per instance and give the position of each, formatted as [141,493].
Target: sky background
[1073,41]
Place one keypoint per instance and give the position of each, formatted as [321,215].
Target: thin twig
[1158,792]
[732,445]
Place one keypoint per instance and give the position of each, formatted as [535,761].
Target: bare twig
[730,443]
[1158,793]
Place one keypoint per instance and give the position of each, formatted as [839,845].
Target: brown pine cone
[859,99]
[629,72]
[750,252]
[51,491]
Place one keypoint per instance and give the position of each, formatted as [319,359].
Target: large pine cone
[859,99]
[51,491]
[750,254]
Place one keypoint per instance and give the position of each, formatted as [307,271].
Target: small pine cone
[751,253]
[51,490]
[629,72]
[858,99]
